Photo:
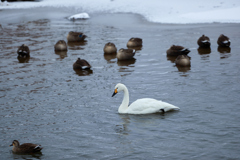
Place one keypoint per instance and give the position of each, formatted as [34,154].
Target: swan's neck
[124,106]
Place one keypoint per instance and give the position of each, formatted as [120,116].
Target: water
[73,116]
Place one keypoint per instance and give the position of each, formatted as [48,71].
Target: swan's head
[119,87]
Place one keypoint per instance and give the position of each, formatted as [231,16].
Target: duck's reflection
[85,72]
[224,49]
[109,57]
[202,50]
[224,52]
[27,156]
[62,54]
[23,59]
[126,62]
[76,45]
[183,69]
[171,58]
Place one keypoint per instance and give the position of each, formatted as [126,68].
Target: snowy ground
[171,11]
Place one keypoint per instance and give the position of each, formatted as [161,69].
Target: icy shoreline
[172,11]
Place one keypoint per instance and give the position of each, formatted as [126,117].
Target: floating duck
[110,48]
[75,36]
[125,54]
[204,41]
[223,41]
[25,148]
[177,50]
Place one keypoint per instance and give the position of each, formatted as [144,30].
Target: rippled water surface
[73,116]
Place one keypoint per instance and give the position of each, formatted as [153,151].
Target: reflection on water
[126,62]
[27,156]
[202,51]
[109,57]
[77,45]
[224,49]
[123,129]
[183,69]
[224,52]
[62,54]
[84,72]
[23,59]
[171,58]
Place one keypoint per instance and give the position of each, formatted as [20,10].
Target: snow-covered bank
[171,11]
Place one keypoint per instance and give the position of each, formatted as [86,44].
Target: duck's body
[183,60]
[81,64]
[25,148]
[204,41]
[134,42]
[110,48]
[125,54]
[177,50]
[75,36]
[61,45]
[141,106]
[23,51]
[223,41]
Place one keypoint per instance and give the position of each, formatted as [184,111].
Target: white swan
[141,106]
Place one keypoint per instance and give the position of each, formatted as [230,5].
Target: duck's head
[15,143]
[110,44]
[61,42]
[119,87]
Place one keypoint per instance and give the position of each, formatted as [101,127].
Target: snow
[171,11]
[79,16]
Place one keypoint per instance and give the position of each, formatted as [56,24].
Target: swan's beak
[115,92]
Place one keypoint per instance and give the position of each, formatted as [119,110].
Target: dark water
[73,116]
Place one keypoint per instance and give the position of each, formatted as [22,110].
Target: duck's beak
[11,145]
[115,92]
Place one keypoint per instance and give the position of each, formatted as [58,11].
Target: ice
[79,16]
[171,11]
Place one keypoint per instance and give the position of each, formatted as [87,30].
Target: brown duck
[223,41]
[81,64]
[23,51]
[110,48]
[125,54]
[75,36]
[61,45]
[183,60]
[177,50]
[204,41]
[25,147]
[134,42]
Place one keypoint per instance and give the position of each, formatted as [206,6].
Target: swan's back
[149,105]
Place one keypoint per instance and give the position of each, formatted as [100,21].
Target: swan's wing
[149,105]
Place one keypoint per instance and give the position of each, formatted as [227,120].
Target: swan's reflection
[122,129]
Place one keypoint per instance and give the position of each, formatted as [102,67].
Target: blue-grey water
[73,116]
